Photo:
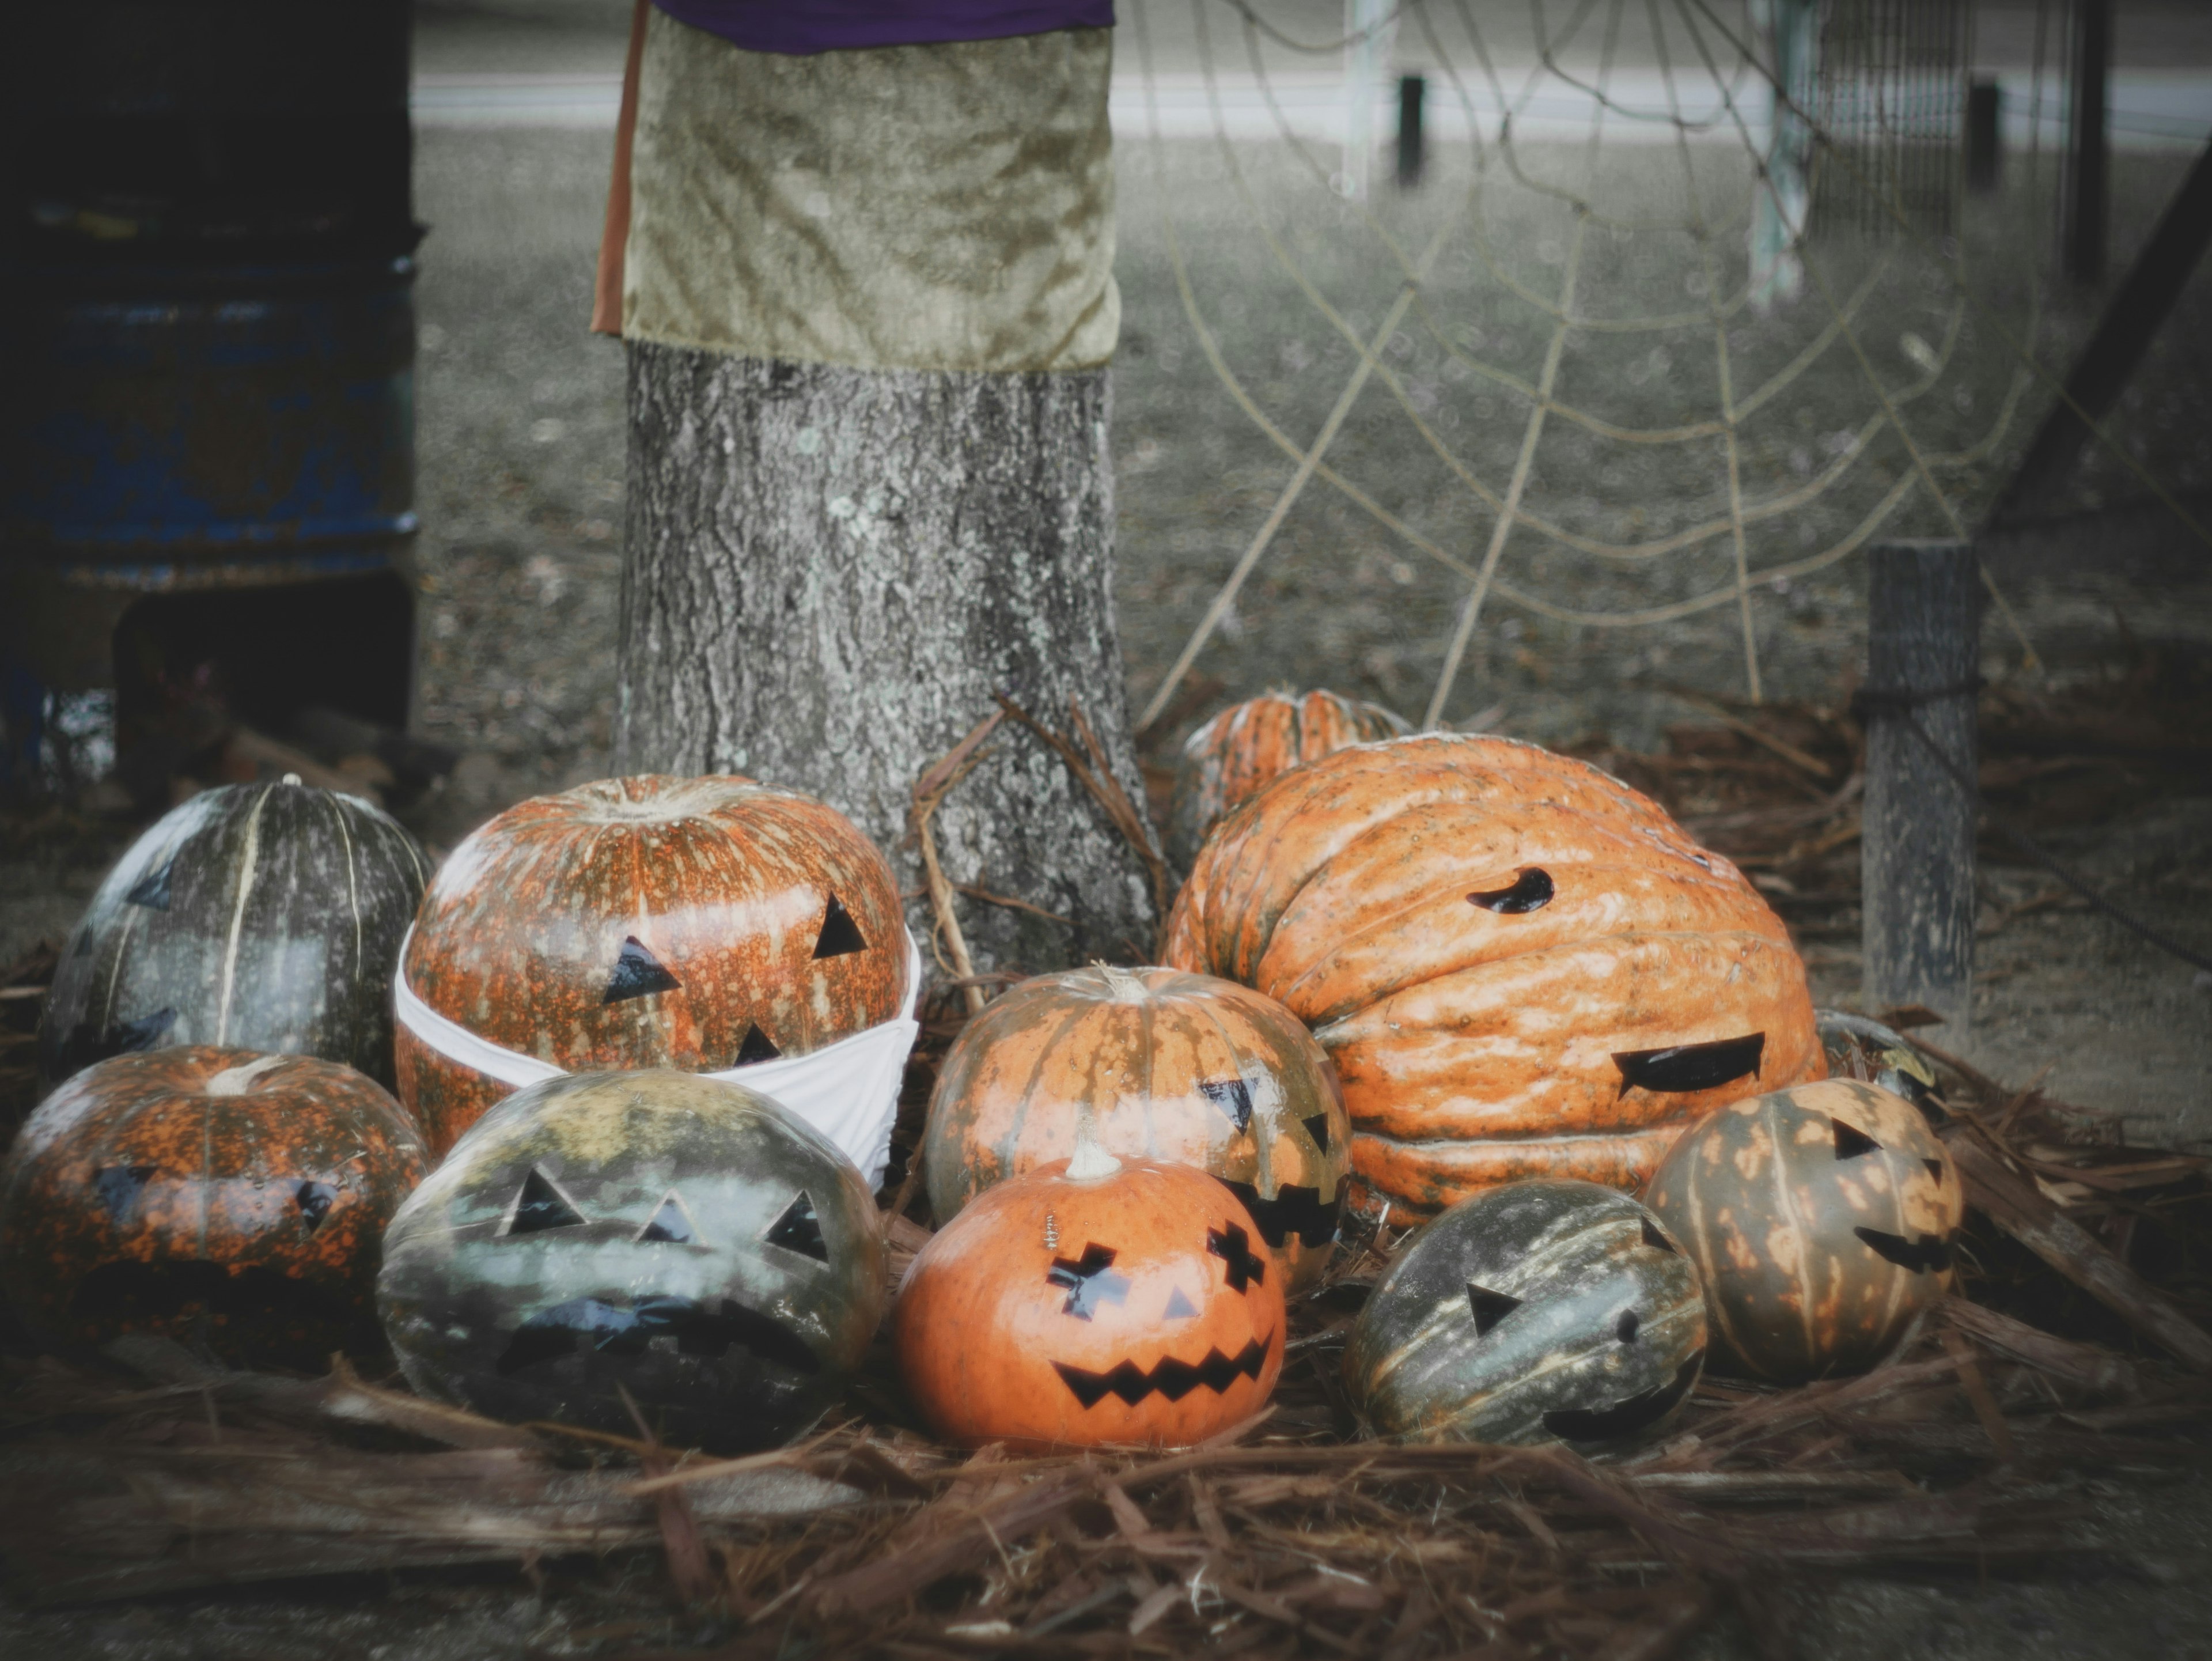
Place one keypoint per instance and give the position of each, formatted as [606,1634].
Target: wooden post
[1984,135]
[2086,167]
[1916,858]
[1412,155]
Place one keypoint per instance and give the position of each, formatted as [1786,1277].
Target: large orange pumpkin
[1092,1302]
[695,923]
[1249,745]
[218,1196]
[1521,967]
[1153,1064]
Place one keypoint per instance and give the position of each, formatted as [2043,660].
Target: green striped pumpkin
[1540,1311]
[1821,1219]
[254,917]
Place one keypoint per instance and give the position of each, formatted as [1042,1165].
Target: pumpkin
[1248,745]
[695,923]
[1521,967]
[1857,1048]
[1153,1064]
[229,1200]
[1822,1219]
[262,917]
[1538,1311]
[1092,1301]
[683,1239]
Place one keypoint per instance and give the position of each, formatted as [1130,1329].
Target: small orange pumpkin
[1521,967]
[1246,747]
[1154,1064]
[1092,1302]
[694,923]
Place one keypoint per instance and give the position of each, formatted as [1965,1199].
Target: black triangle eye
[541,1206]
[314,1201]
[1655,1239]
[799,1230]
[152,889]
[1317,1127]
[1234,1098]
[1934,1170]
[119,1186]
[670,1225]
[1852,1143]
[840,933]
[1627,1326]
[1490,1307]
[757,1047]
[637,974]
[1180,1308]
[145,1033]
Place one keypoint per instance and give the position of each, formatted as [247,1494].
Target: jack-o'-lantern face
[229,1200]
[1537,1312]
[1822,1219]
[1155,1064]
[1136,1305]
[683,1239]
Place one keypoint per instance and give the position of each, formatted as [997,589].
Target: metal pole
[1983,142]
[1917,854]
[2085,197]
[1412,151]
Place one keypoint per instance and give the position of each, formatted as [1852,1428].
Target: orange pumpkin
[1092,1302]
[1520,966]
[218,1196]
[693,923]
[1246,747]
[1154,1064]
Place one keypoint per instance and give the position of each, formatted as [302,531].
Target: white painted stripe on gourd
[849,1091]
[238,914]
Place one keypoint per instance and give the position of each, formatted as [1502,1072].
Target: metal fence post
[1413,149]
[1916,857]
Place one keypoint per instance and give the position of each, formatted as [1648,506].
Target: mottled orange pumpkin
[1153,1064]
[1250,744]
[217,1196]
[1092,1302]
[693,923]
[1821,1220]
[1520,966]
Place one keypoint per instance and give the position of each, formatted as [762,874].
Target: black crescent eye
[1531,891]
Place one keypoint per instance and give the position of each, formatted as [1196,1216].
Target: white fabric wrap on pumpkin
[849,1091]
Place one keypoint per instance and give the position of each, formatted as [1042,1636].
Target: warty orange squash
[1250,744]
[1151,1064]
[1520,966]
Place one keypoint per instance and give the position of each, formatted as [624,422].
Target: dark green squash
[1821,1219]
[1858,1047]
[683,1238]
[1538,1311]
[261,917]
[231,1200]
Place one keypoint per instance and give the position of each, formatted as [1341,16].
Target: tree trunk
[829,572]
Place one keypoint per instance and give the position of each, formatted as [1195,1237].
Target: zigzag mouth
[1299,1211]
[1170,1378]
[552,1334]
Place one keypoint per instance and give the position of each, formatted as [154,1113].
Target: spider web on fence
[1689,39]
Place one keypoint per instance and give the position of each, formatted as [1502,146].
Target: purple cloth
[800,28]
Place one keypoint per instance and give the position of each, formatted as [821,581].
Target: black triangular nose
[757,1047]
[669,1225]
[637,974]
[840,933]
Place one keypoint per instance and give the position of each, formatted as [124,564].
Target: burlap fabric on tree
[938,207]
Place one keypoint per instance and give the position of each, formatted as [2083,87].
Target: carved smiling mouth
[1602,1424]
[1172,1379]
[552,1334]
[1299,1211]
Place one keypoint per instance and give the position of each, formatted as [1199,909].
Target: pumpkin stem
[1126,986]
[1091,1162]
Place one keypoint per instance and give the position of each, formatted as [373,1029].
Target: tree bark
[829,572]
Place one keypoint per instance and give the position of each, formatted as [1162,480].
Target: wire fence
[1884,156]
